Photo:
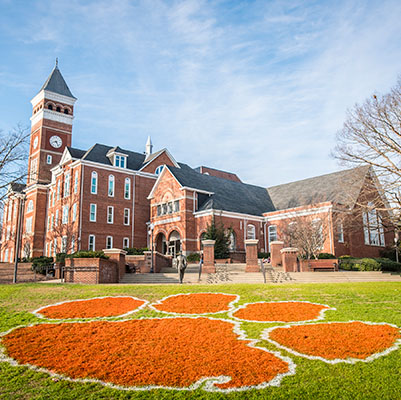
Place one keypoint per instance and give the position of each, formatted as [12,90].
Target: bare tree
[371,136]
[13,157]
[307,234]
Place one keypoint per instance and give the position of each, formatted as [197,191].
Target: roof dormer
[117,157]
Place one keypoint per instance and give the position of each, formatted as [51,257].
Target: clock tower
[51,127]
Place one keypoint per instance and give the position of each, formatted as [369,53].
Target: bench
[326,265]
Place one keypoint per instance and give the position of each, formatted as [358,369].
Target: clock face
[56,141]
[35,142]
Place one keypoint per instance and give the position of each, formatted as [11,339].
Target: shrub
[87,254]
[133,251]
[325,256]
[388,252]
[389,265]
[367,264]
[344,257]
[41,264]
[193,257]
[263,255]
[60,257]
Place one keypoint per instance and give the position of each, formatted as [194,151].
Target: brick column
[289,259]
[117,255]
[251,247]
[208,256]
[275,255]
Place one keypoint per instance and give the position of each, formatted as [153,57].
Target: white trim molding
[298,213]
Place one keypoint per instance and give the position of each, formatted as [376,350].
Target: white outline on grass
[230,305]
[39,315]
[206,383]
[265,335]
[319,317]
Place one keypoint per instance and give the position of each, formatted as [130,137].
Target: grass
[375,302]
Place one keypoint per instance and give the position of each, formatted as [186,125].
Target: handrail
[263,269]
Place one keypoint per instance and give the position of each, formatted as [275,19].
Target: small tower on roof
[149,147]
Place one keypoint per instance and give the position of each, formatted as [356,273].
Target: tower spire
[56,66]
[149,147]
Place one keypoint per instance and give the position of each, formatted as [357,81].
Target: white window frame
[120,161]
[125,243]
[74,212]
[127,188]
[64,218]
[49,159]
[159,170]
[58,189]
[109,242]
[64,244]
[127,213]
[340,232]
[110,214]
[250,231]
[76,176]
[56,219]
[92,246]
[67,182]
[93,207]
[110,186]
[30,206]
[94,182]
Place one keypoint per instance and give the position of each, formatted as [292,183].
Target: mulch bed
[171,352]
[92,308]
[337,340]
[196,303]
[280,312]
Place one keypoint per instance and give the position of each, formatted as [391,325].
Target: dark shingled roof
[342,187]
[55,83]
[17,187]
[228,195]
[76,153]
[97,153]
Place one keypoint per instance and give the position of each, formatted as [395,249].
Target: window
[58,109]
[49,159]
[66,111]
[232,242]
[251,232]
[50,107]
[54,199]
[29,225]
[373,227]
[94,183]
[52,223]
[64,244]
[109,242]
[127,188]
[92,213]
[91,244]
[76,182]
[125,243]
[54,246]
[72,244]
[50,249]
[58,190]
[56,220]
[30,206]
[119,161]
[159,169]
[159,210]
[110,214]
[126,216]
[111,186]
[170,207]
[340,233]
[74,212]
[48,223]
[47,250]
[65,215]
[67,180]
[176,207]
[272,231]
[164,209]
[9,232]
[9,211]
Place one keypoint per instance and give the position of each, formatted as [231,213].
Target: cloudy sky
[258,88]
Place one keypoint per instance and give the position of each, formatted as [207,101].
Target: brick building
[107,197]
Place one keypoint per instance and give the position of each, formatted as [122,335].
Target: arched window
[251,232]
[58,109]
[232,242]
[67,181]
[30,206]
[110,190]
[159,169]
[66,111]
[127,188]
[76,182]
[94,183]
[50,107]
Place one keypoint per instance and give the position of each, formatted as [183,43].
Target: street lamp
[151,228]
[396,237]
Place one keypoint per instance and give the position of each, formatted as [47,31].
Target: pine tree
[222,238]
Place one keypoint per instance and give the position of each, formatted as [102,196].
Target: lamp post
[151,228]
[18,238]
[396,237]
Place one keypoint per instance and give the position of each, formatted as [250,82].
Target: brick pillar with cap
[251,247]
[275,255]
[289,259]
[208,256]
[117,255]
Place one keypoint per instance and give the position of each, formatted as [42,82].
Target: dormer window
[120,161]
[159,170]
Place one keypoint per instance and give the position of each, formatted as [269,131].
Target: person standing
[181,265]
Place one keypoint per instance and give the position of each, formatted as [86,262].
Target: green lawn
[375,302]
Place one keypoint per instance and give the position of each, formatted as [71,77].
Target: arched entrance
[161,243]
[174,243]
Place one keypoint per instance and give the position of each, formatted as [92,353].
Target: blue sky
[258,88]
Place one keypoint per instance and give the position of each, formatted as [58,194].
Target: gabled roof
[76,153]
[227,194]
[153,156]
[55,83]
[342,187]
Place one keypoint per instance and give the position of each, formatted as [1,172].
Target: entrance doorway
[174,244]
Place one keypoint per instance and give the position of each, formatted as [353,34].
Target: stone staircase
[24,273]
[343,276]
